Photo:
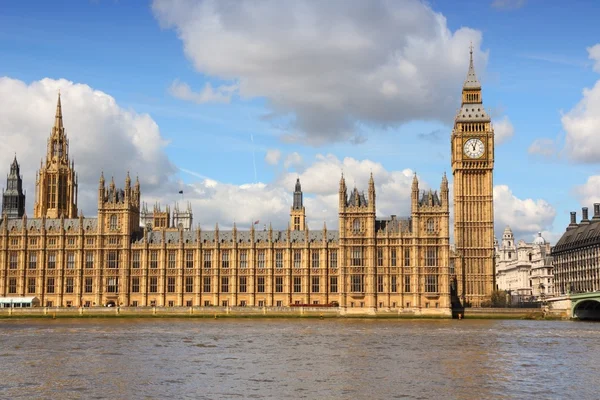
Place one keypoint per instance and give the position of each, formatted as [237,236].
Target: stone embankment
[268,312]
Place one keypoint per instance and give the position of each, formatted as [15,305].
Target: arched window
[356,225]
[113,222]
[530,257]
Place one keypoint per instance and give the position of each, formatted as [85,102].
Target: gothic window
[225,259]
[260,287]
[356,259]
[394,286]
[70,260]
[431,259]
[30,285]
[32,261]
[172,257]
[69,285]
[430,226]
[243,259]
[171,284]
[14,257]
[112,258]
[135,284]
[279,259]
[315,259]
[297,284]
[189,284]
[279,284]
[356,283]
[393,258]
[243,284]
[112,283]
[315,284]
[12,285]
[407,257]
[224,284]
[207,260]
[406,283]
[333,284]
[261,259]
[356,225]
[135,258]
[380,257]
[380,283]
[113,222]
[297,258]
[189,259]
[333,259]
[431,283]
[153,284]
[206,284]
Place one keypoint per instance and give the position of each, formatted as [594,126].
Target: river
[297,359]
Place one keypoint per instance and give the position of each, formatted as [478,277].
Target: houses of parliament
[129,256]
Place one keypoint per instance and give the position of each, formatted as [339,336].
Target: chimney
[573,223]
[596,212]
[584,216]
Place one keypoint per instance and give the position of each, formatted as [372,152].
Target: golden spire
[58,122]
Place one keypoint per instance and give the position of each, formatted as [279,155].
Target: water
[297,359]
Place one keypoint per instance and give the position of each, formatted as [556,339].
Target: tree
[497,299]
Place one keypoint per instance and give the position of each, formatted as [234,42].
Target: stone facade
[472,152]
[371,263]
[576,255]
[523,269]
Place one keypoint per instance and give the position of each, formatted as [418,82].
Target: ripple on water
[276,359]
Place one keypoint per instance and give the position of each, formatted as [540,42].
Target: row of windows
[113,259]
[112,284]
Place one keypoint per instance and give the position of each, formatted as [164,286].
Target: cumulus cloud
[221,94]
[102,136]
[526,217]
[270,202]
[582,123]
[508,4]
[503,130]
[594,55]
[273,156]
[329,67]
[589,192]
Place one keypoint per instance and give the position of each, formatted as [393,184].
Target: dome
[539,239]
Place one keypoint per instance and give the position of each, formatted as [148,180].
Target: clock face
[474,148]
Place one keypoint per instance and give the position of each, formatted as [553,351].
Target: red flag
[256,222]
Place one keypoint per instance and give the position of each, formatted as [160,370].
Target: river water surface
[298,359]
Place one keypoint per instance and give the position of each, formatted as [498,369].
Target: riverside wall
[272,312]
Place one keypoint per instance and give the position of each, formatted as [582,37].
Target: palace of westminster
[132,257]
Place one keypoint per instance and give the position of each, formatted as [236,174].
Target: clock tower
[472,147]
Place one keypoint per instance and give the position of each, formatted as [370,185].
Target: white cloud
[102,137]
[293,160]
[543,146]
[589,192]
[526,217]
[273,156]
[594,54]
[582,123]
[503,130]
[221,94]
[330,66]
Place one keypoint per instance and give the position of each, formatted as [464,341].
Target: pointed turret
[415,193]
[371,192]
[471,82]
[58,121]
[444,191]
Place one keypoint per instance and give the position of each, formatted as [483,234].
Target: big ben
[472,144]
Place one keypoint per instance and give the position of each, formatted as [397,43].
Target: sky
[231,101]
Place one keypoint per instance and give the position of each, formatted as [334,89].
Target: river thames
[298,359]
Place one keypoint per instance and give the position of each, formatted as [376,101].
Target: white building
[524,270]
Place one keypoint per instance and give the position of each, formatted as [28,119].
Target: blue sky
[537,67]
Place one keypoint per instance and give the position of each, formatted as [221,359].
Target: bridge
[585,306]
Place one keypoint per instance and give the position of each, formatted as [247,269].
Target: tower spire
[471,82]
[58,121]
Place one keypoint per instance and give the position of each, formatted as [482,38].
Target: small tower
[297,213]
[182,218]
[13,199]
[56,183]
